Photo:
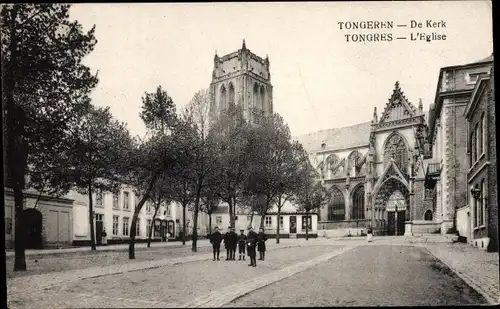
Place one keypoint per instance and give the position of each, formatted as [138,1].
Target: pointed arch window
[231,94]
[358,204]
[336,206]
[256,103]
[396,149]
[262,98]
[223,98]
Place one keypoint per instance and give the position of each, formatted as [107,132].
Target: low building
[46,221]
[292,224]
[479,222]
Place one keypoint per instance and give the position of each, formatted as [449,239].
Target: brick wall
[492,171]
[420,203]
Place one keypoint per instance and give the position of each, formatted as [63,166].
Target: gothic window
[332,162]
[354,163]
[481,208]
[396,148]
[428,215]
[256,103]
[223,98]
[336,206]
[358,204]
[262,98]
[231,94]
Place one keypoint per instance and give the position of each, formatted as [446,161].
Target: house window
[115,225]
[138,227]
[483,133]
[476,141]
[480,137]
[98,217]
[148,206]
[125,226]
[481,204]
[115,201]
[8,220]
[306,222]
[472,78]
[268,222]
[126,201]
[218,221]
[473,147]
[281,222]
[168,209]
[99,199]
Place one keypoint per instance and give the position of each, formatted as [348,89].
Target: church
[374,172]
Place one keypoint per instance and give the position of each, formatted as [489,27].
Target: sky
[320,81]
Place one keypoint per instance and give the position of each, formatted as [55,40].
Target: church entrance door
[396,224]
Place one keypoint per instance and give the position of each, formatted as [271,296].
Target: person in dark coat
[215,240]
[251,244]
[261,244]
[242,240]
[227,243]
[234,243]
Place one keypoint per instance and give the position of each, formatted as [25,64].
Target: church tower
[243,78]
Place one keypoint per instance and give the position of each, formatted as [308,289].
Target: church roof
[337,138]
[397,99]
[487,59]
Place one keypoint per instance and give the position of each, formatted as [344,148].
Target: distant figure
[215,240]
[261,243]
[233,237]
[104,239]
[242,239]
[369,234]
[251,244]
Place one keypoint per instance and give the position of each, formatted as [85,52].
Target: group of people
[251,242]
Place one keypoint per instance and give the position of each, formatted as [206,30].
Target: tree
[154,157]
[209,204]
[311,196]
[295,173]
[202,151]
[230,132]
[45,87]
[158,196]
[271,158]
[100,147]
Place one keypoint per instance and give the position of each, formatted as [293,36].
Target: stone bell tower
[243,78]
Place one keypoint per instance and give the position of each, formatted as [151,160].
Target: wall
[463,222]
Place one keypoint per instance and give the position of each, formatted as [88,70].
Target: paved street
[318,272]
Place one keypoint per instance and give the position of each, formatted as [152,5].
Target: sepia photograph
[249,154]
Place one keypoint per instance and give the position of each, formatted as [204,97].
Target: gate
[393,227]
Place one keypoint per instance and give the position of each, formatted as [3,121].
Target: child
[242,239]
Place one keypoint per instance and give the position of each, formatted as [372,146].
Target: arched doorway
[428,215]
[32,221]
[392,201]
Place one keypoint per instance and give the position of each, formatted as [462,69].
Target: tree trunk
[210,224]
[184,224]
[91,219]
[231,213]
[278,221]
[152,225]
[19,245]
[133,229]
[16,152]
[195,216]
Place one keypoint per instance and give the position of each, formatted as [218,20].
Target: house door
[98,232]
[293,224]
[32,222]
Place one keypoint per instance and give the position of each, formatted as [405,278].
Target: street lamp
[476,193]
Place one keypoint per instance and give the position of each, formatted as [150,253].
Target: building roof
[337,138]
[487,59]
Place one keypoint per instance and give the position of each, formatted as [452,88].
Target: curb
[215,299]
[491,300]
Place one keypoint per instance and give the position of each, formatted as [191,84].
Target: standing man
[227,243]
[251,242]
[234,244]
[215,240]
[242,239]
[261,243]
